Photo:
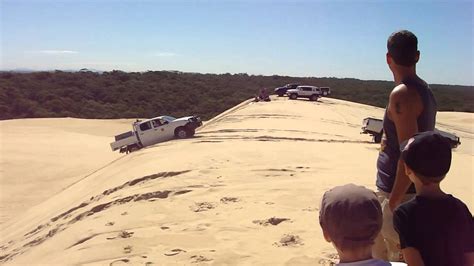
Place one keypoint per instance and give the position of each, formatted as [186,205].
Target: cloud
[58,52]
[55,52]
[165,54]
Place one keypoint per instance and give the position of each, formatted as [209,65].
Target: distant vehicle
[374,127]
[310,92]
[151,131]
[282,90]
[325,91]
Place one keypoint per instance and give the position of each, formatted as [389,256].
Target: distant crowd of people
[409,219]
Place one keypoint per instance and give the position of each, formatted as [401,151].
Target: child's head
[427,157]
[350,216]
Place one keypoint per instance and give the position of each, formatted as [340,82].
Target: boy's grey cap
[351,215]
[428,154]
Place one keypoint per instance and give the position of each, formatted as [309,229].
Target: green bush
[118,94]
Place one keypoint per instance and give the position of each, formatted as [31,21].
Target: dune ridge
[245,190]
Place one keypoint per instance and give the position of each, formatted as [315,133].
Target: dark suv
[282,90]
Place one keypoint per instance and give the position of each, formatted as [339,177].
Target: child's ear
[326,236]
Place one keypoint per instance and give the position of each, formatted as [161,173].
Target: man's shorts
[387,246]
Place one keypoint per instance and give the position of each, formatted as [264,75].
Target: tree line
[118,94]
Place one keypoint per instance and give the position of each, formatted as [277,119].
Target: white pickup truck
[374,127]
[151,131]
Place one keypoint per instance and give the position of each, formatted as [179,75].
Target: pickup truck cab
[310,92]
[158,129]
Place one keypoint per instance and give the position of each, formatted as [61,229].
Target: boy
[435,228]
[351,218]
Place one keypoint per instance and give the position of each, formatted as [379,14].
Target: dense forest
[117,94]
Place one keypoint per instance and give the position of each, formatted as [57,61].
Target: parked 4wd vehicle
[310,92]
[282,90]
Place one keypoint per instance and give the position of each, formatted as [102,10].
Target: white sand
[207,199]
[40,157]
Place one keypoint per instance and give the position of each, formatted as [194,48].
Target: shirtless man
[411,109]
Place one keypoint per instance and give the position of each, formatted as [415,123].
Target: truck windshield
[168,118]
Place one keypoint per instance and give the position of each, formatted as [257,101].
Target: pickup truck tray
[123,135]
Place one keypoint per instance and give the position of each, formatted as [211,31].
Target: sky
[340,38]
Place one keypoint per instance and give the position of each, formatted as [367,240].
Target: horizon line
[28,70]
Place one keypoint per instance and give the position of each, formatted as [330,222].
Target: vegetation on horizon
[118,94]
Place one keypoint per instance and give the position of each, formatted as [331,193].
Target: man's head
[350,216]
[402,47]
[427,156]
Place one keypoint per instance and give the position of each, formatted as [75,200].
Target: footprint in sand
[202,206]
[109,223]
[127,249]
[302,167]
[329,259]
[289,240]
[226,200]
[174,252]
[122,234]
[125,234]
[271,221]
[124,213]
[199,259]
[118,261]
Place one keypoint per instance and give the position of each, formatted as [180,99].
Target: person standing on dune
[411,109]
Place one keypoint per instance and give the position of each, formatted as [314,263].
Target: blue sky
[294,38]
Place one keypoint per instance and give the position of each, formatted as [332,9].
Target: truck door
[306,91]
[162,129]
[147,134]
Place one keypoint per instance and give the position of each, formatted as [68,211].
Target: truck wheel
[280,94]
[181,133]
[378,138]
[293,96]
[313,98]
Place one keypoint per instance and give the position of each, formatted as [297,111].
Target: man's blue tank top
[387,161]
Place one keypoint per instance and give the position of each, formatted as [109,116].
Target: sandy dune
[40,157]
[245,190]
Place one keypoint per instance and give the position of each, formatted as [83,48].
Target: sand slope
[245,190]
[40,157]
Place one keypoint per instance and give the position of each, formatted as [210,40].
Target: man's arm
[469,258]
[404,108]
[412,257]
